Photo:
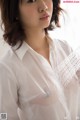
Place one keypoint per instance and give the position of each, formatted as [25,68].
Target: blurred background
[70,23]
[70,26]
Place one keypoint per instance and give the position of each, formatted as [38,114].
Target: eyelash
[30,1]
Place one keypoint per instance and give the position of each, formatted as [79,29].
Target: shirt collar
[24,48]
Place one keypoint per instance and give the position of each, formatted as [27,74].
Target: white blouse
[33,89]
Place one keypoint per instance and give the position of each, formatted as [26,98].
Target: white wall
[70,30]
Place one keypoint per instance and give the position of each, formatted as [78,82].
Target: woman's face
[36,13]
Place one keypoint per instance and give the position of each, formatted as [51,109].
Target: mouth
[44,17]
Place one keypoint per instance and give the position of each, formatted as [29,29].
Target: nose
[42,6]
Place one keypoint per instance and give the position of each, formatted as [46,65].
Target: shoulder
[61,45]
[8,58]
[7,61]
[7,65]
[65,45]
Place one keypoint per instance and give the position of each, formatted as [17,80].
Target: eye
[30,1]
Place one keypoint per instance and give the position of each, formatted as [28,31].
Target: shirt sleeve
[8,93]
[70,50]
[67,48]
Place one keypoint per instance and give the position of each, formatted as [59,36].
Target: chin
[46,26]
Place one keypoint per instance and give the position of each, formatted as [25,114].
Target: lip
[44,17]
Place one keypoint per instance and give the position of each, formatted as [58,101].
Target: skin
[30,14]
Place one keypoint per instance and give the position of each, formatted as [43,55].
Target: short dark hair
[13,31]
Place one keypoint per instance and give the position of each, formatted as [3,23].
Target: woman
[31,86]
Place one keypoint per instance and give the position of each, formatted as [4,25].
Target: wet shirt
[32,89]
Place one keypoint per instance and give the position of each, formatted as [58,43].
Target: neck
[36,39]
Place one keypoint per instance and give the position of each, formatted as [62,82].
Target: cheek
[28,17]
[28,14]
[50,6]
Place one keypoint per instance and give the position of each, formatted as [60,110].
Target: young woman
[31,86]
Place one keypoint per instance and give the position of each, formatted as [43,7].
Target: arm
[8,93]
